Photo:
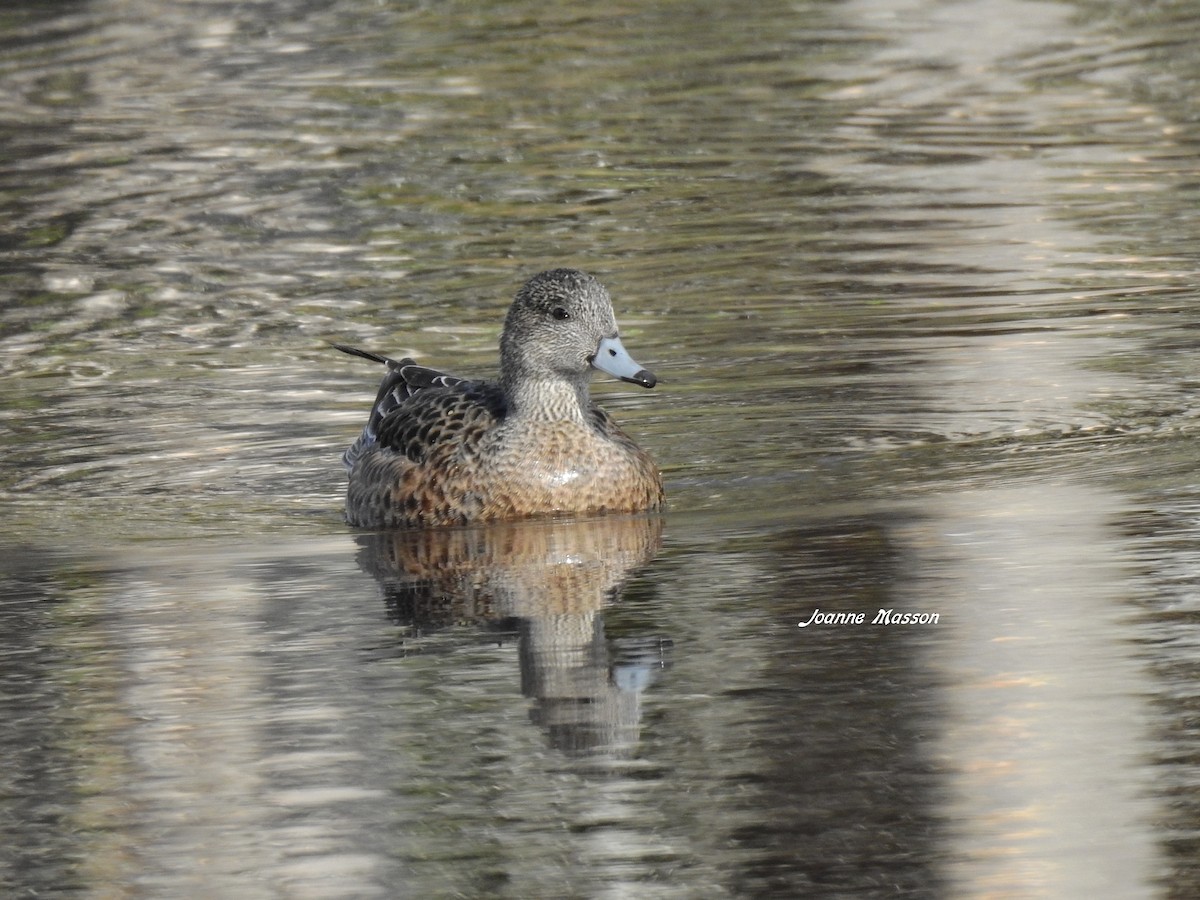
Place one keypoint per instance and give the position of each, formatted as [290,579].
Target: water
[918,279]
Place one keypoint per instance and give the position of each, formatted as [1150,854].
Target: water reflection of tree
[552,580]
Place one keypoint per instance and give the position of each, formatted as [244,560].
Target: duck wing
[433,406]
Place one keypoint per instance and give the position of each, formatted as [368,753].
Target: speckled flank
[439,450]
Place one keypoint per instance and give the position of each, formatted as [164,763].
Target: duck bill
[611,357]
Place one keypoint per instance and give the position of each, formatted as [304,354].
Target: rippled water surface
[919,281]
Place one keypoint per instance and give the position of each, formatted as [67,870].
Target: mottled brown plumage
[440,450]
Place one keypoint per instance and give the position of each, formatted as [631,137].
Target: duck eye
[560,313]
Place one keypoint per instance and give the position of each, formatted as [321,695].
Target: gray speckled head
[559,326]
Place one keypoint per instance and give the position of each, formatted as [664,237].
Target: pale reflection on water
[260,742]
[1045,728]
[919,280]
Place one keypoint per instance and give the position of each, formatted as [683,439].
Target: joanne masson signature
[883,617]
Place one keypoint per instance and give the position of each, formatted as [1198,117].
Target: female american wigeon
[441,450]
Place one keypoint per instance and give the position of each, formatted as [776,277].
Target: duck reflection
[551,578]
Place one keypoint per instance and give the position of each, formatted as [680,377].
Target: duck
[439,449]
